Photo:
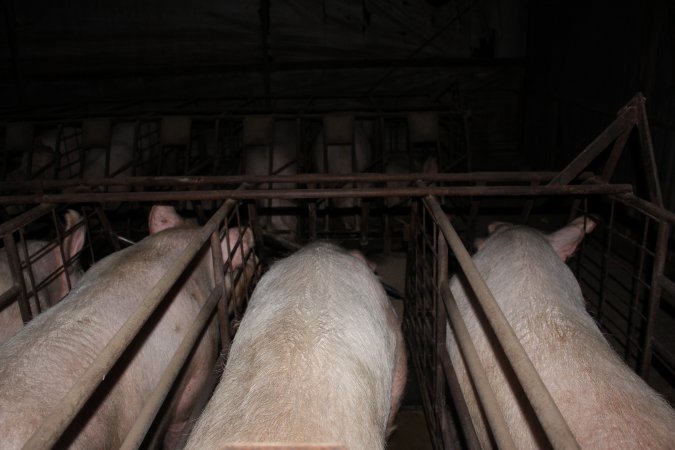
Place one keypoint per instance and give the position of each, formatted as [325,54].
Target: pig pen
[623,267]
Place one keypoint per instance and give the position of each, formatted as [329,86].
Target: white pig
[40,364]
[606,405]
[46,265]
[318,358]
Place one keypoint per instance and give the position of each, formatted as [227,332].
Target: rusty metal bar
[51,429]
[460,191]
[472,177]
[449,434]
[468,429]
[626,119]
[661,251]
[629,199]
[147,415]
[219,280]
[493,413]
[549,415]
[17,275]
[647,150]
[9,295]
[450,439]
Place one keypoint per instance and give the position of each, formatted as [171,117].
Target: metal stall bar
[147,415]
[500,429]
[625,120]
[647,150]
[471,177]
[662,237]
[441,411]
[458,191]
[51,429]
[549,415]
[447,371]
[19,283]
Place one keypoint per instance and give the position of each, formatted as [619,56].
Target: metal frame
[431,304]
[428,305]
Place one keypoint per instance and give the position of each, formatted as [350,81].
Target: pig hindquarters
[46,265]
[39,365]
[318,358]
[606,405]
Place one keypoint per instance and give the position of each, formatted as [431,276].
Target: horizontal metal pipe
[147,415]
[495,418]
[644,206]
[547,411]
[373,177]
[65,411]
[460,191]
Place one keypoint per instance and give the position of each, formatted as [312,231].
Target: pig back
[605,404]
[39,365]
[313,359]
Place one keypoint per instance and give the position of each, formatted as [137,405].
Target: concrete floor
[411,427]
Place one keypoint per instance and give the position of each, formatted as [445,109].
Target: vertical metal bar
[17,277]
[440,323]
[604,267]
[647,151]
[219,282]
[635,294]
[662,236]
[107,227]
[36,307]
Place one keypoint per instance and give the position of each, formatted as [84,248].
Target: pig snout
[318,358]
[605,404]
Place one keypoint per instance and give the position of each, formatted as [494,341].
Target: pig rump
[81,339]
[314,360]
[604,403]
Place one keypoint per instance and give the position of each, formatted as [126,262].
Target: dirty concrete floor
[411,427]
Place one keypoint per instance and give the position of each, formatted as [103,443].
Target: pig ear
[162,218]
[358,255]
[242,250]
[566,240]
[72,245]
[494,226]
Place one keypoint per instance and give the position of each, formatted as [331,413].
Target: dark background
[541,79]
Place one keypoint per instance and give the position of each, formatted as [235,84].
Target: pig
[47,264]
[318,358]
[339,160]
[605,404]
[284,154]
[40,364]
